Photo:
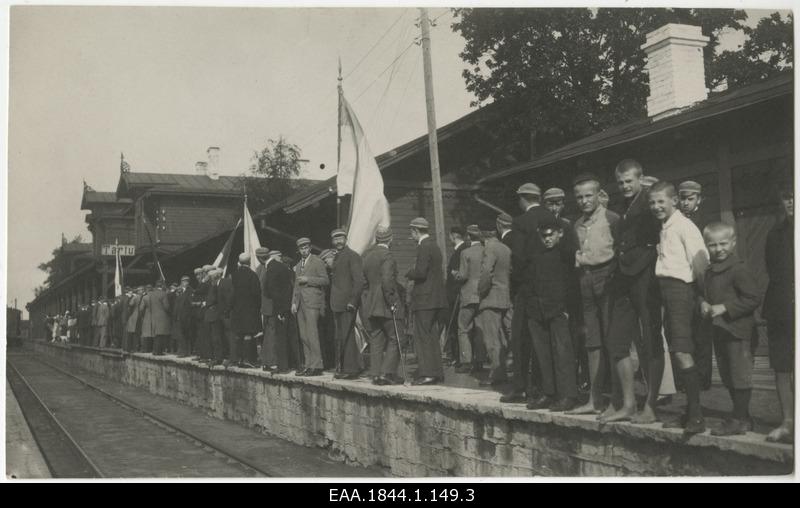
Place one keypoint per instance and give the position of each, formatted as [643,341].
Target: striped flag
[118,275]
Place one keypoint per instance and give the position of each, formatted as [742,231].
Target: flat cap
[473,229]
[198,270]
[262,252]
[207,268]
[338,232]
[550,224]
[327,253]
[274,253]
[690,186]
[553,193]
[648,181]
[504,219]
[420,223]
[383,234]
[185,277]
[529,188]
[244,258]
[303,241]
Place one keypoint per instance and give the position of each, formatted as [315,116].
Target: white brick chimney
[213,162]
[676,69]
[201,168]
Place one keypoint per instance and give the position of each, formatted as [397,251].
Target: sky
[162,84]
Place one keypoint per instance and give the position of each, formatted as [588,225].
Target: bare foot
[586,409]
[782,434]
[623,415]
[608,412]
[647,415]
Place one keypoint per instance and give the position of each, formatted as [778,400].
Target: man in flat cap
[495,301]
[203,339]
[382,304]
[245,313]
[428,299]
[262,255]
[504,232]
[308,303]
[327,327]
[182,316]
[554,201]
[278,288]
[347,284]
[158,307]
[526,247]
[467,275]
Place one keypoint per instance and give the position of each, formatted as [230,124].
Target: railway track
[85,431]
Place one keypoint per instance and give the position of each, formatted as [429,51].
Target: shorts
[734,360]
[623,328]
[679,300]
[780,337]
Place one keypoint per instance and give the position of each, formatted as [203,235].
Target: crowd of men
[653,282]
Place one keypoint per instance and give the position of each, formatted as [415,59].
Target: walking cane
[450,322]
[406,382]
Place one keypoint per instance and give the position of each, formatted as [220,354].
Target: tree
[272,170]
[768,50]
[561,74]
[57,268]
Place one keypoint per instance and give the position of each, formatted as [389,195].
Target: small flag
[124,167]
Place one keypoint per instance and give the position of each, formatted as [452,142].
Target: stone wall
[430,431]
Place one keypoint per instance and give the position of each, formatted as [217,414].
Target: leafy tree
[57,268]
[561,74]
[271,172]
[768,50]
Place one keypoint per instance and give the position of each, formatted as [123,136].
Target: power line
[376,43]
[384,70]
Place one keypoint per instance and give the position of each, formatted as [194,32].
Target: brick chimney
[201,168]
[676,69]
[213,162]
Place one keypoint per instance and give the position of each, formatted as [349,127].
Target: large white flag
[359,174]
[251,242]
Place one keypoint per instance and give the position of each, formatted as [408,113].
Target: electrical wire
[375,45]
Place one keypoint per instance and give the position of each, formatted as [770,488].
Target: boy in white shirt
[682,260]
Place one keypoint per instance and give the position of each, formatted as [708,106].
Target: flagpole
[339,145]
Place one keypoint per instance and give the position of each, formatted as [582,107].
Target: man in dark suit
[278,288]
[182,315]
[212,317]
[638,235]
[347,283]
[428,299]
[450,347]
[262,255]
[202,341]
[382,300]
[245,312]
[526,246]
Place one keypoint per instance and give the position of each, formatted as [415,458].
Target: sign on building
[112,249]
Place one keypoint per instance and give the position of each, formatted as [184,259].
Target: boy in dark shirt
[730,297]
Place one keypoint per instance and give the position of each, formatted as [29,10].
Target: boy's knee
[684,360]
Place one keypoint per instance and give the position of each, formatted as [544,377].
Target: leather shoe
[303,372]
[424,381]
[564,404]
[513,397]
[314,372]
[381,381]
[542,402]
[733,427]
[695,425]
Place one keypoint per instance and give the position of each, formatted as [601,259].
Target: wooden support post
[725,182]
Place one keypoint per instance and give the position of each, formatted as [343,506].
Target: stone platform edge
[481,405]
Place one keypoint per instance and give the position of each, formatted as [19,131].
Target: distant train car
[13,327]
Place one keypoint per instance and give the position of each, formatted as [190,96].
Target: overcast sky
[163,84]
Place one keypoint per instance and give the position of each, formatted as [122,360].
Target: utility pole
[436,179]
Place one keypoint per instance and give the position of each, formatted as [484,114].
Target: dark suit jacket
[347,280]
[508,240]
[779,258]
[279,284]
[382,290]
[182,307]
[732,284]
[526,245]
[246,305]
[637,234]
[428,292]
[266,303]
[211,311]
[547,296]
[454,263]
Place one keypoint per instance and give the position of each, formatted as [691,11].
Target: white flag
[368,207]
[251,242]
